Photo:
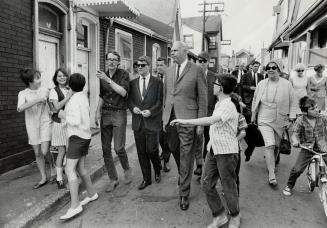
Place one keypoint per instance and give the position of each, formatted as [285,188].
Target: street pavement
[158,205]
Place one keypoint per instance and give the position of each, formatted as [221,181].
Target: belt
[113,109]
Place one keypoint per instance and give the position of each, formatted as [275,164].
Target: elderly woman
[300,84]
[272,107]
[318,86]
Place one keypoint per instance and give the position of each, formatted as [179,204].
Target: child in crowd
[221,162]
[309,130]
[242,125]
[58,97]
[33,100]
[77,118]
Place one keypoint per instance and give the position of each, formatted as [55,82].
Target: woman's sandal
[272,182]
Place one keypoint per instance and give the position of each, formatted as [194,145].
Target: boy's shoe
[128,176]
[235,221]
[287,191]
[218,221]
[87,199]
[72,212]
[112,185]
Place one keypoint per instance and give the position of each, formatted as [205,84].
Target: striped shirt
[223,133]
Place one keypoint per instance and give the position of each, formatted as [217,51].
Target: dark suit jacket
[152,101]
[238,88]
[246,82]
[212,99]
[187,95]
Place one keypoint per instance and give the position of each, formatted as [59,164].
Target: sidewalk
[21,205]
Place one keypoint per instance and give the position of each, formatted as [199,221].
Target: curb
[44,208]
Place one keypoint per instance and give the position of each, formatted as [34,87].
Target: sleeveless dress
[300,89]
[318,89]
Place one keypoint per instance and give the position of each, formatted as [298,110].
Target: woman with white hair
[273,106]
[318,86]
[300,84]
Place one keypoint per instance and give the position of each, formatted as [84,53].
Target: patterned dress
[318,88]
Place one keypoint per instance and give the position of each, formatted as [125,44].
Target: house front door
[82,67]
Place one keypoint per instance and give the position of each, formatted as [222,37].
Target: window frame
[118,34]
[189,36]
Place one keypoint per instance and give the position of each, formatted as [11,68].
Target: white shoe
[218,221]
[87,199]
[235,221]
[72,212]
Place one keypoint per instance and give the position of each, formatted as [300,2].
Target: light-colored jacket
[187,95]
[285,98]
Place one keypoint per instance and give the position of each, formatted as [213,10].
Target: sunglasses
[299,70]
[141,65]
[271,68]
[203,61]
[216,83]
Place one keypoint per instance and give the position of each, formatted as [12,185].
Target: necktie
[144,89]
[178,68]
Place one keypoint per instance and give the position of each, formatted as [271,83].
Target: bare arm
[59,105]
[117,88]
[204,121]
[241,135]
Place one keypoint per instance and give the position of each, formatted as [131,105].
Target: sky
[249,24]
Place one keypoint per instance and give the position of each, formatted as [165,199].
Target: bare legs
[59,162]
[41,151]
[270,161]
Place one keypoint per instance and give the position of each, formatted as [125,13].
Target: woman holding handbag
[272,107]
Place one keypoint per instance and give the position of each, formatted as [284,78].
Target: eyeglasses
[112,60]
[216,83]
[299,70]
[141,65]
[202,60]
[271,68]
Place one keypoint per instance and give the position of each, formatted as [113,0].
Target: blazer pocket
[192,106]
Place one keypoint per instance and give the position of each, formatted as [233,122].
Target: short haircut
[27,75]
[145,59]
[77,82]
[114,53]
[228,83]
[54,78]
[161,59]
[135,64]
[256,62]
[319,67]
[306,102]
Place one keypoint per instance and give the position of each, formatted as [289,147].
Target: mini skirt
[77,147]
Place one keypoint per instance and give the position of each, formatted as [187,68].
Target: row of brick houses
[75,34]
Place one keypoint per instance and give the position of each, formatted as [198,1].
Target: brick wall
[16,52]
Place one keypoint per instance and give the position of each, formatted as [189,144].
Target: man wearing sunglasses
[249,82]
[112,106]
[145,103]
[185,96]
[201,150]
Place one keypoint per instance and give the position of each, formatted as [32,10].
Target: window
[319,37]
[213,62]
[299,49]
[212,42]
[124,47]
[48,19]
[82,35]
[188,39]
[156,53]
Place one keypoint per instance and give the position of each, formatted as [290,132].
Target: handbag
[253,135]
[285,144]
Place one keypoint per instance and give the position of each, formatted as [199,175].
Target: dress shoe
[87,199]
[39,185]
[143,185]
[60,184]
[72,212]
[184,203]
[198,171]
[157,177]
[128,176]
[166,167]
[112,185]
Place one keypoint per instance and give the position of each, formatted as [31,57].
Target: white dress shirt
[255,77]
[147,79]
[183,64]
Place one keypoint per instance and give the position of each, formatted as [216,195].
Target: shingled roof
[213,23]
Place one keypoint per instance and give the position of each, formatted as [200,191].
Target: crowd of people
[193,113]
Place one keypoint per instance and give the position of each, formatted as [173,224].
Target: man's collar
[146,76]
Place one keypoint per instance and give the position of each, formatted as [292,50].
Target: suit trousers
[182,143]
[163,140]
[206,140]
[147,146]
[198,150]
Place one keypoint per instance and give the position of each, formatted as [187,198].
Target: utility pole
[212,7]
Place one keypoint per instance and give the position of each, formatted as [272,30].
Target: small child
[310,130]
[33,100]
[223,154]
[242,125]
[77,117]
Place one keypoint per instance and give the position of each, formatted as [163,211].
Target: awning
[110,8]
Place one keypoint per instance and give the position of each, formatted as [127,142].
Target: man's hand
[103,76]
[136,110]
[70,93]
[97,118]
[146,113]
[176,122]
[199,130]
[296,144]
[252,87]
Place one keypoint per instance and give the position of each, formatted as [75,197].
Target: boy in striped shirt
[222,159]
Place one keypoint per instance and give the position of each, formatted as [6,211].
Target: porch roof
[111,8]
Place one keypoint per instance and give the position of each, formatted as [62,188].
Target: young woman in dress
[318,86]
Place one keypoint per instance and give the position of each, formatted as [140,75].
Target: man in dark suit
[249,82]
[201,149]
[185,97]
[145,103]
[239,74]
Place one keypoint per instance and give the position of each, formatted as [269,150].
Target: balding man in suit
[185,97]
